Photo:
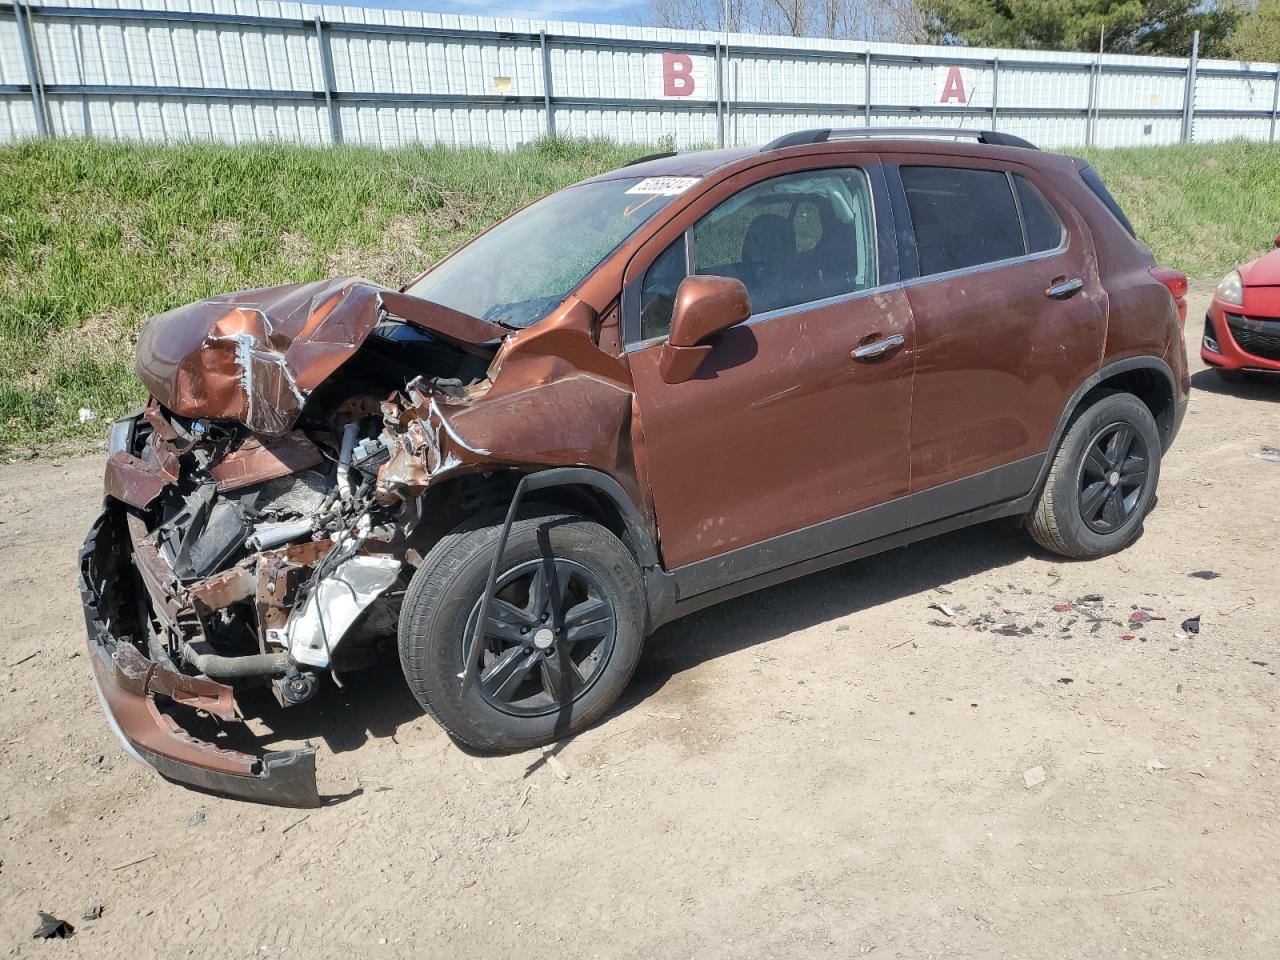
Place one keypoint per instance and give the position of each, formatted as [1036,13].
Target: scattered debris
[92,912]
[1033,777]
[902,644]
[1066,680]
[51,928]
[100,762]
[1123,636]
[1140,616]
[557,767]
[301,819]
[1270,454]
[1062,607]
[943,609]
[1129,893]
[935,622]
[1191,624]
[85,415]
[1090,600]
[29,656]
[1205,574]
[135,862]
[196,819]
[1154,764]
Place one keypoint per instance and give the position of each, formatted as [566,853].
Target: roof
[699,163]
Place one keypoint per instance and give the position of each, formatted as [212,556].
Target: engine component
[269,535]
[349,434]
[234,668]
[296,495]
[294,687]
[336,600]
[371,453]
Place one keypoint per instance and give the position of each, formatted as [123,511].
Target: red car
[1242,327]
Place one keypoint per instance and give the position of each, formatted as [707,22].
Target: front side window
[524,267]
[791,240]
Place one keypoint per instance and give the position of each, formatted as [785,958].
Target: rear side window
[1044,229]
[962,218]
[1094,182]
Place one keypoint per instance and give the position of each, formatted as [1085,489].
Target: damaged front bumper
[140,696]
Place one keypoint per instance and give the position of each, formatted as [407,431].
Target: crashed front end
[246,537]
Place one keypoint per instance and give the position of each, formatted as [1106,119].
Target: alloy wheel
[1113,477]
[548,637]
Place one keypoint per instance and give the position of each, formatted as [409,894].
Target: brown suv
[668,385]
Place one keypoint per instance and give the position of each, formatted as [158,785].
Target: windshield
[525,266]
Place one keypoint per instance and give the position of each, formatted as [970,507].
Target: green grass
[95,237]
[1200,208]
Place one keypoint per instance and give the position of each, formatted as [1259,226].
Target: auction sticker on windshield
[663,186]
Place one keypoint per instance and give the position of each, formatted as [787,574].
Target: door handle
[1064,288]
[878,348]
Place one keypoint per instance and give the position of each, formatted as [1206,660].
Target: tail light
[1176,282]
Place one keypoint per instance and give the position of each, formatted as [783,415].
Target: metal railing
[881,96]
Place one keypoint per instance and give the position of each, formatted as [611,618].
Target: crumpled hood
[255,356]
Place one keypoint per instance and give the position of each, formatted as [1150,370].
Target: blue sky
[594,11]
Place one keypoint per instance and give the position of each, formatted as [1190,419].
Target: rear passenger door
[1000,273]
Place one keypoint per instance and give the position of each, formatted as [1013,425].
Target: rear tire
[537,685]
[1102,482]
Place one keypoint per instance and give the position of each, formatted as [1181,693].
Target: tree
[1257,38]
[888,20]
[1124,26]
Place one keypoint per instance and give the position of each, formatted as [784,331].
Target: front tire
[565,629]
[1102,482]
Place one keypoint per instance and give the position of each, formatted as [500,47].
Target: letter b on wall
[677,75]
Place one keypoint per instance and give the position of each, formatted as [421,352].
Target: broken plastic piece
[51,928]
[1191,624]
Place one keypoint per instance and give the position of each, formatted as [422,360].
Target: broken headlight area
[236,560]
[248,537]
[262,558]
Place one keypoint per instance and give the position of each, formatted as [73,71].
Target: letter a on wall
[954,88]
[677,75]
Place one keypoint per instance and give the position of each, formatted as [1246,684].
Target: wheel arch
[584,490]
[1148,378]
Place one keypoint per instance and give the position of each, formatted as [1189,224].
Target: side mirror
[704,307]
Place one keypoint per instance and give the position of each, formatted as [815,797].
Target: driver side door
[783,445]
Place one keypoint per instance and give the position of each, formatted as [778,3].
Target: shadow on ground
[1260,386]
[374,704]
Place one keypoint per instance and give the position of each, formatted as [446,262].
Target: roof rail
[802,137]
[647,157]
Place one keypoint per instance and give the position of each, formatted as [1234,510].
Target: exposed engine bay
[282,560]
[303,448]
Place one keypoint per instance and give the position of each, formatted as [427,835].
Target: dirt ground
[814,771]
